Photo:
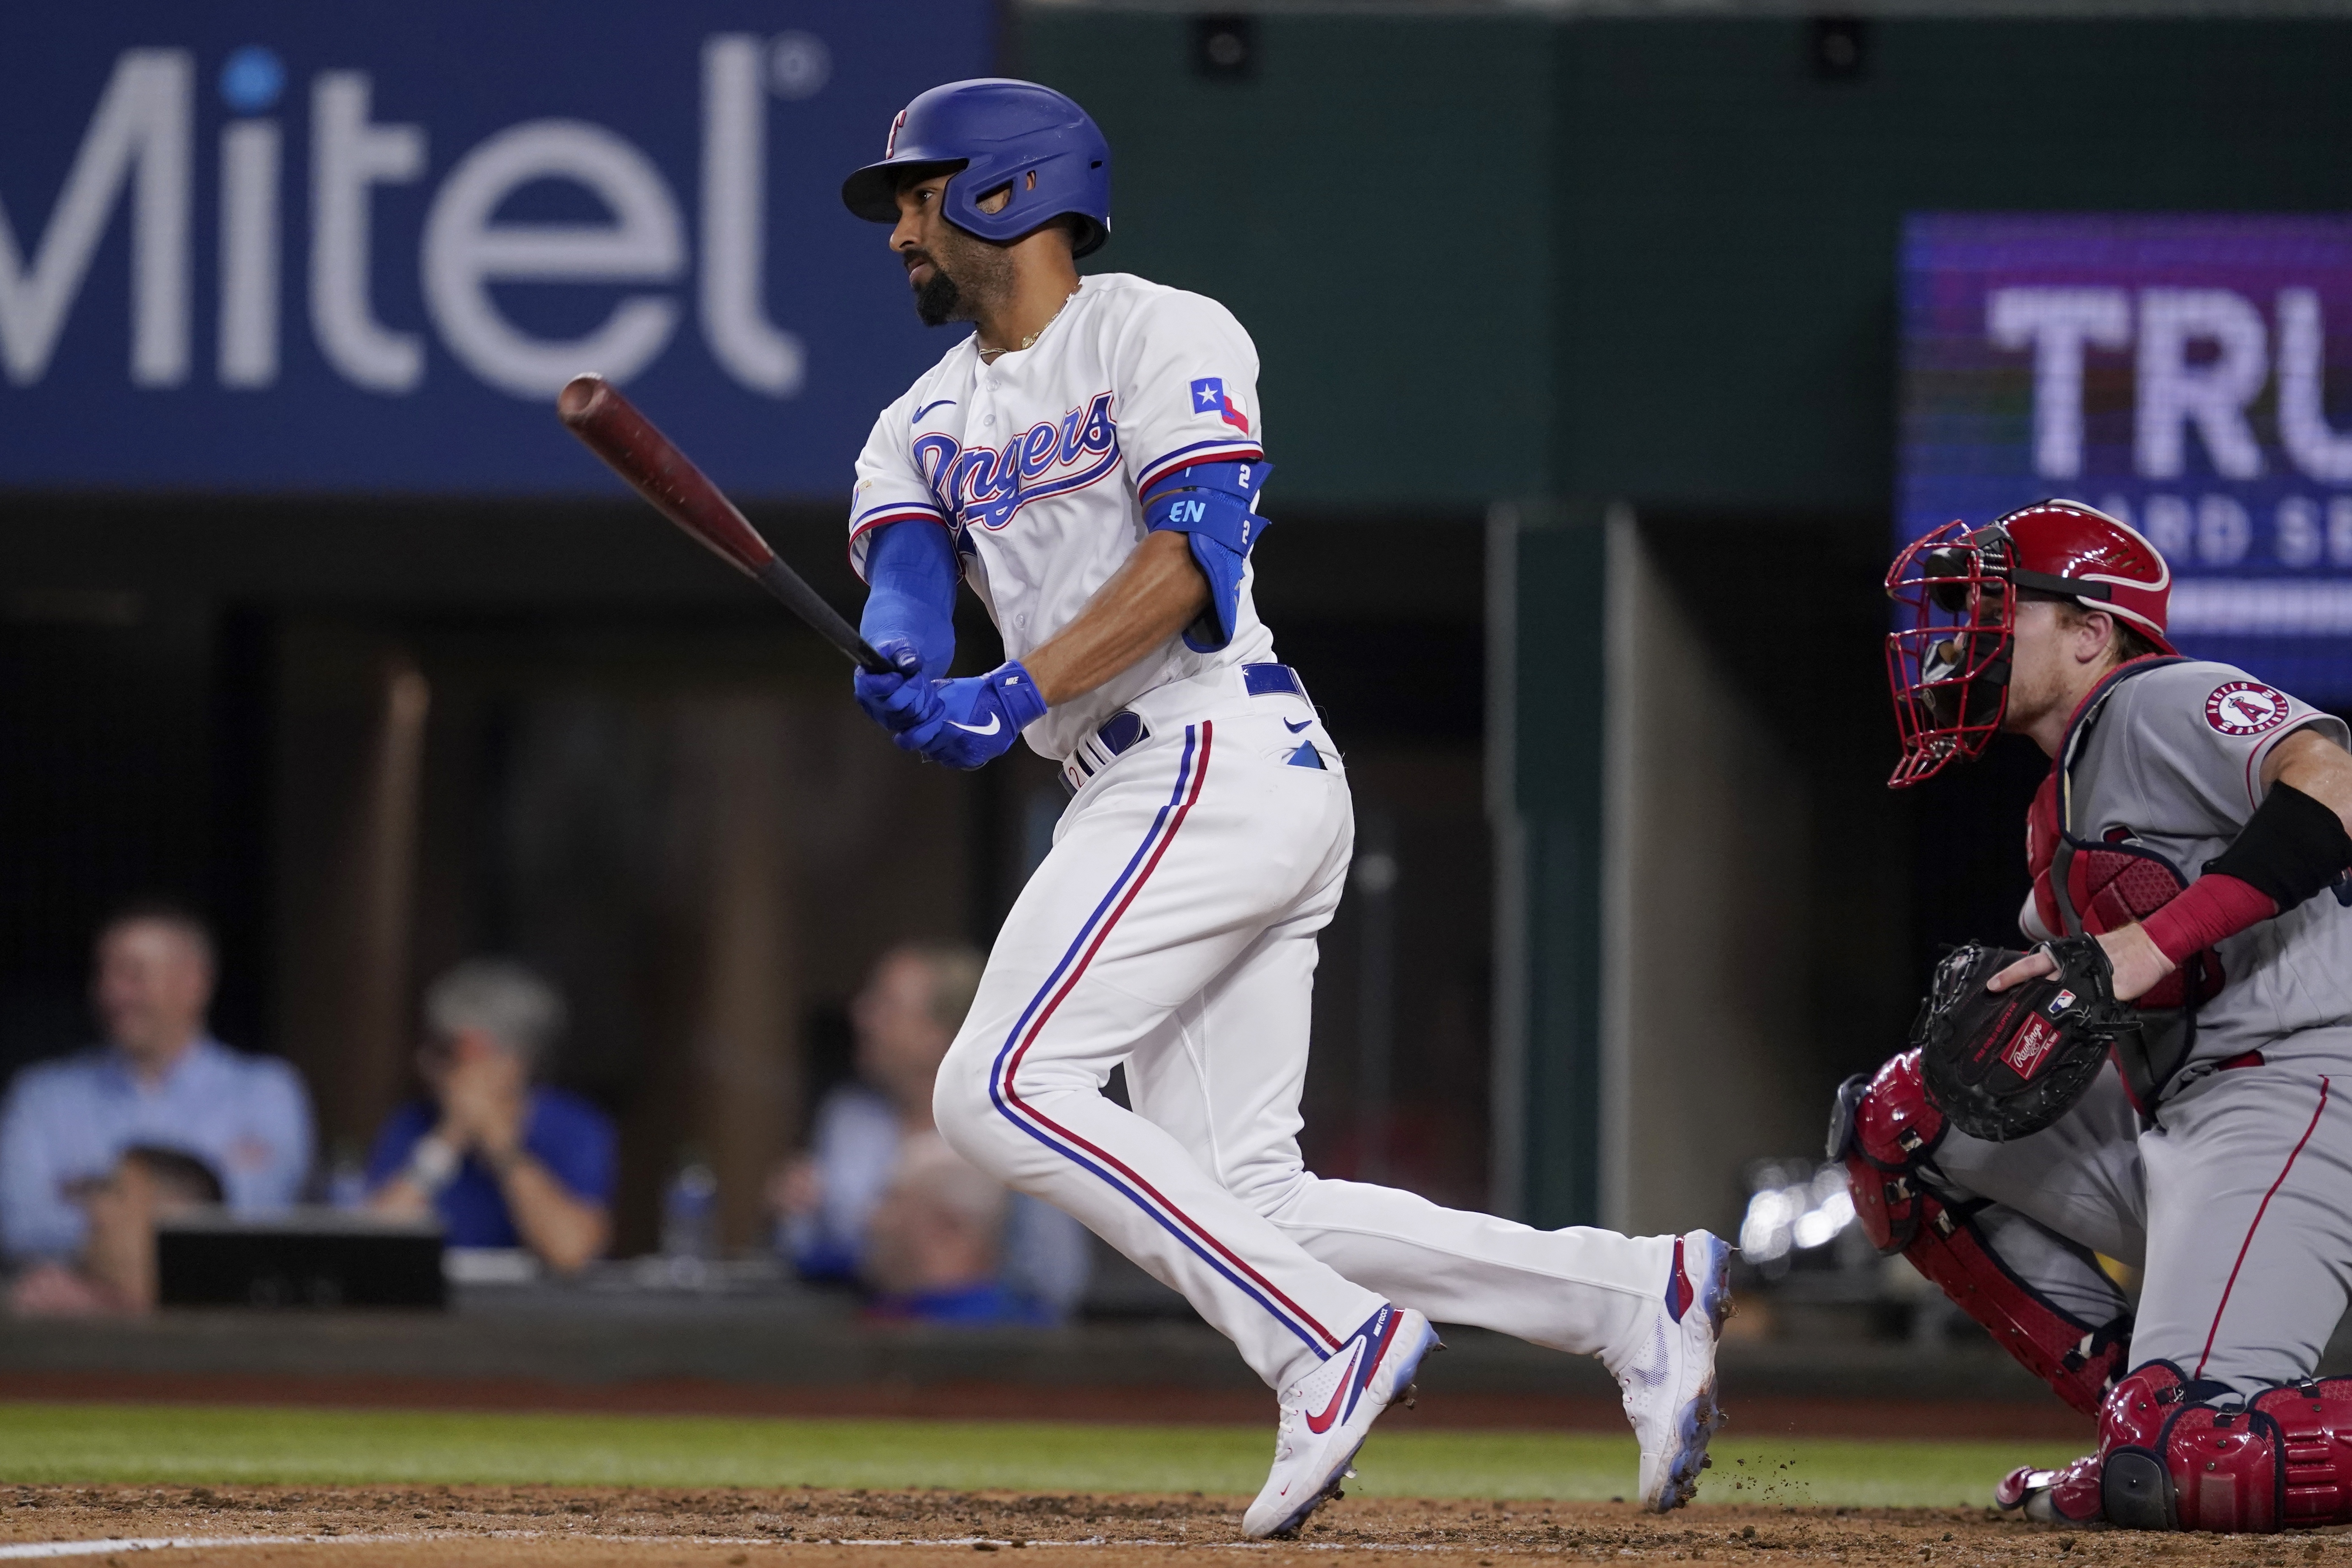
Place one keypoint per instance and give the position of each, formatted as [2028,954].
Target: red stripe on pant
[2261,1210]
[1012,1067]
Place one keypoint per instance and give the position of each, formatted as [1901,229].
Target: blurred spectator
[502,1160]
[115,1273]
[931,1244]
[160,1082]
[826,1198]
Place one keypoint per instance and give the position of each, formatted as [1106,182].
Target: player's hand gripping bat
[614,429]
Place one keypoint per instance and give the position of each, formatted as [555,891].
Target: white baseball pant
[1172,928]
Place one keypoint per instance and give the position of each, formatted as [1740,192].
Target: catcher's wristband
[2215,906]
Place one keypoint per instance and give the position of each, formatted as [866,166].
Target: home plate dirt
[551,1527]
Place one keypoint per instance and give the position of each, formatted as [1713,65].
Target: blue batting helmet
[1001,134]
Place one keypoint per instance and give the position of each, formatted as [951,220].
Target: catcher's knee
[2182,1454]
[1884,1129]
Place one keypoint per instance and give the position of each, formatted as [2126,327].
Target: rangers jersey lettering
[1037,463]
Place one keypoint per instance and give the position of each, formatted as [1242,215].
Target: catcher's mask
[1956,592]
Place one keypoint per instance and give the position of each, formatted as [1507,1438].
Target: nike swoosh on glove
[899,699]
[977,718]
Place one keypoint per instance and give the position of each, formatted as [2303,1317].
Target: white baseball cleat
[1327,1415]
[1670,1383]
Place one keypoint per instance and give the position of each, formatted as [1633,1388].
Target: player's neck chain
[989,356]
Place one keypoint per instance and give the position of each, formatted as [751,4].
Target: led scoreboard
[2191,375]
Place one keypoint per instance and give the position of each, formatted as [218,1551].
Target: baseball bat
[611,426]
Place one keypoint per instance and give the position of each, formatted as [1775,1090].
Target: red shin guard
[1884,1131]
[2194,1457]
[2131,1420]
[2077,1363]
[2314,1428]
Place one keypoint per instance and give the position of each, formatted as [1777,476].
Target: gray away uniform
[2233,1195]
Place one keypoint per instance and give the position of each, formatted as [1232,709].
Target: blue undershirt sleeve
[911,575]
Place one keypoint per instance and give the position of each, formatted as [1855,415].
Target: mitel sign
[2190,374]
[361,245]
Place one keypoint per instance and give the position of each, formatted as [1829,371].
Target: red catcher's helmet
[1949,668]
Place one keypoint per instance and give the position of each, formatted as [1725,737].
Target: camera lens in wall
[1225,47]
[1839,47]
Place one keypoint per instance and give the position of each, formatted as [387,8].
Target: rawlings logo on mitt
[2001,1065]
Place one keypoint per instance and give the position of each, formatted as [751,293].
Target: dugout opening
[372,737]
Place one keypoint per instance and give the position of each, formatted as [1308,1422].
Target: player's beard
[937,300]
[968,275]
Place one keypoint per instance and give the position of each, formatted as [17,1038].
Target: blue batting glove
[901,699]
[977,718]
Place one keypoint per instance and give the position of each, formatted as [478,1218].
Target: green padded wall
[1381,228]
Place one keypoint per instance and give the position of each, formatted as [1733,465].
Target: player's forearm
[1154,594]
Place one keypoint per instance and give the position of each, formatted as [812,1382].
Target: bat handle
[801,599]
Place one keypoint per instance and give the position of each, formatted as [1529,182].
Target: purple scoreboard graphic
[2191,375]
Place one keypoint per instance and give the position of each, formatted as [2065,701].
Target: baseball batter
[1090,460]
[2193,823]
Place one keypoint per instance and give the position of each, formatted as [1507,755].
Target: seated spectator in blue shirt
[502,1160]
[904,1017]
[932,1244]
[160,1081]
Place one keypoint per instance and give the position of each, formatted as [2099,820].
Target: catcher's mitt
[2001,1065]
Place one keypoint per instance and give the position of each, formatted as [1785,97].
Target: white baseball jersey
[1037,461]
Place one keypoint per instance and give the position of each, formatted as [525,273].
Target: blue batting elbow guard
[1214,627]
[1212,504]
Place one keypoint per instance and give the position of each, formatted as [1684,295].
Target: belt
[1125,729]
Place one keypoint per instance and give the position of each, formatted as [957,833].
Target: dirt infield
[530,1527]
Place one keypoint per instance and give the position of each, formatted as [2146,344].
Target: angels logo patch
[2245,708]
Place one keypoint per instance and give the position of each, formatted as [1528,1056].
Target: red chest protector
[2081,886]
[2088,887]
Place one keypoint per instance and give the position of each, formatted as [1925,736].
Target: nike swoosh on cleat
[1318,1424]
[995,722]
[1293,729]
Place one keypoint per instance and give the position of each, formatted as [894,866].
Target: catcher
[2164,1076]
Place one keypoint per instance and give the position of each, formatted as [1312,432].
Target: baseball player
[2193,823]
[1088,459]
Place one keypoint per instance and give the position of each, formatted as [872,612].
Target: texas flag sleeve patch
[1209,397]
